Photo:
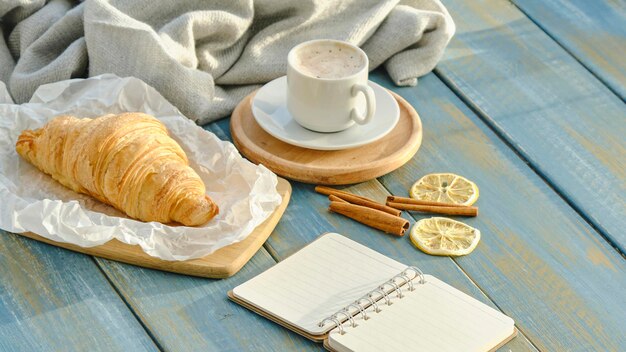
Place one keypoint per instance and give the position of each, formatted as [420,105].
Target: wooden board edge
[208,266]
[266,228]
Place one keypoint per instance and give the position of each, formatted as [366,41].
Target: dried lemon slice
[443,236]
[446,188]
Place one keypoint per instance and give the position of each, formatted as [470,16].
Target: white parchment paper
[32,201]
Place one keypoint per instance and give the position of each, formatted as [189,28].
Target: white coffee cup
[327,87]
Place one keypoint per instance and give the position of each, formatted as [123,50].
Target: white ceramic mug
[324,104]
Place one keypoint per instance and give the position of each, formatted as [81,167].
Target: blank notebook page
[317,281]
[433,317]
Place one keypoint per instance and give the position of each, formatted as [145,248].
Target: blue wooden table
[528,102]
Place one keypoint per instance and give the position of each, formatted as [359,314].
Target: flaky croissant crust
[125,160]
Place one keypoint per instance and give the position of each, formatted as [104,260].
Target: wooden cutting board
[336,167]
[223,263]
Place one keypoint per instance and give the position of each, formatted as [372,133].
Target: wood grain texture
[307,217]
[537,260]
[223,263]
[593,31]
[557,115]
[337,167]
[187,313]
[53,299]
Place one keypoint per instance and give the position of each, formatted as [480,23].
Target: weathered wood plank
[307,217]
[54,299]
[537,260]
[593,31]
[555,113]
[187,313]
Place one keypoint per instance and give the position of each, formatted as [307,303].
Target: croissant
[126,160]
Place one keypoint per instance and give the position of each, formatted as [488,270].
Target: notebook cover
[504,342]
[277,320]
[316,338]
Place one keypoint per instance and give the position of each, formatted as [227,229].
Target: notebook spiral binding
[345,312]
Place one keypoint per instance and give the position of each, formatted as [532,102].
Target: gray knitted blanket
[205,56]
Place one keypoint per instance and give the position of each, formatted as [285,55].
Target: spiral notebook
[353,298]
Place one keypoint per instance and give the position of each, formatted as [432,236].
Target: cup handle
[370,102]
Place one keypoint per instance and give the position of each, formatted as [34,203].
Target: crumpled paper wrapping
[32,201]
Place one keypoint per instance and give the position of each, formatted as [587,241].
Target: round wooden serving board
[337,167]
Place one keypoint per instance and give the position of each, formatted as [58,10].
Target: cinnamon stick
[386,222]
[366,202]
[334,198]
[406,200]
[336,192]
[356,199]
[448,210]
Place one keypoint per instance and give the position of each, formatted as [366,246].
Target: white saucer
[269,108]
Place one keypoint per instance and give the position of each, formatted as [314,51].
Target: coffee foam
[328,60]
